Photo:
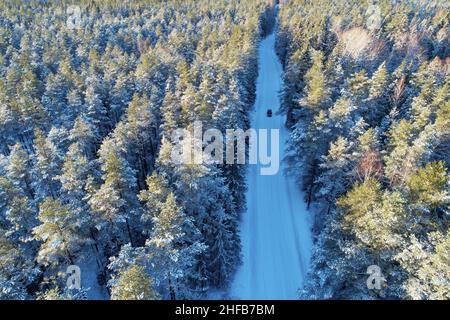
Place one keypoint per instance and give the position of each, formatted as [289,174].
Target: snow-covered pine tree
[114,202]
[59,233]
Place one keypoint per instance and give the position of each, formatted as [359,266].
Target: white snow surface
[276,229]
[89,271]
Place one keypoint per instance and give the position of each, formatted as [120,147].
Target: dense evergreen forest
[86,113]
[89,99]
[367,98]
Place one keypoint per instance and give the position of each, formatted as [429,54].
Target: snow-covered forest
[85,115]
[366,95]
[91,91]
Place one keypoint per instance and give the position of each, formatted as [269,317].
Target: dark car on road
[269,113]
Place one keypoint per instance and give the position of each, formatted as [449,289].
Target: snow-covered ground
[275,230]
[89,271]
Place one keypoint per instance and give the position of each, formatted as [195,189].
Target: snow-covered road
[275,230]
